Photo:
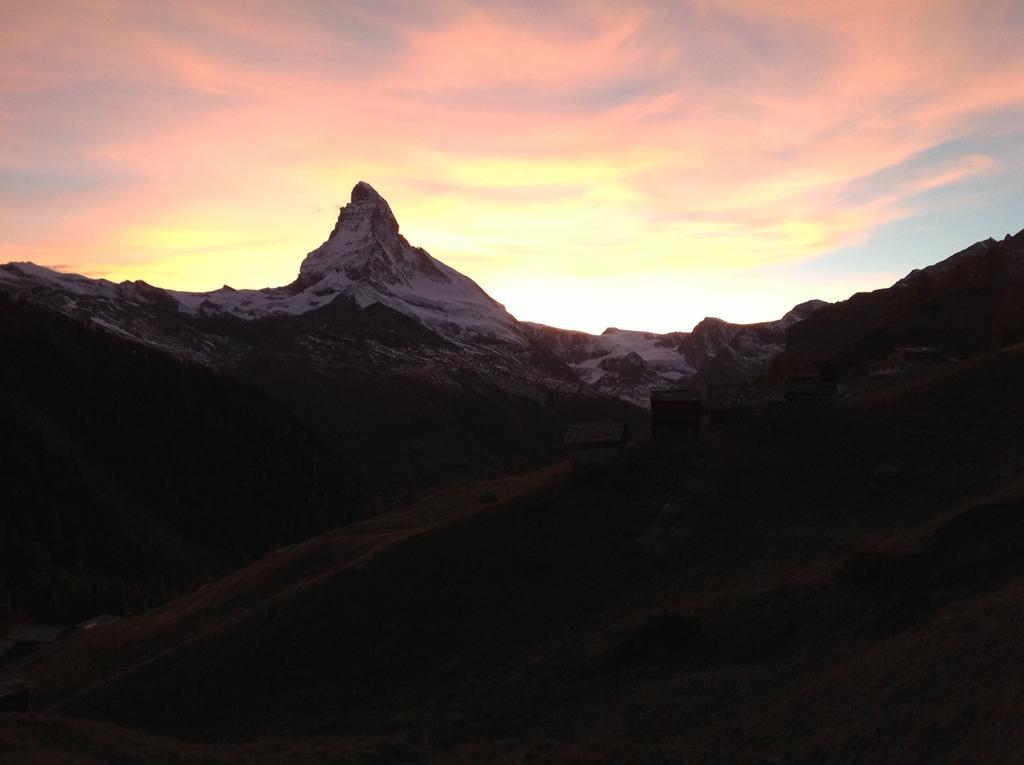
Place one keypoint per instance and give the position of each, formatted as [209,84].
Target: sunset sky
[589,164]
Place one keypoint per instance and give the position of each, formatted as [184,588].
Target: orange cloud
[577,146]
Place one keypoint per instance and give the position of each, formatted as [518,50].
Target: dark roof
[681,394]
[34,633]
[584,434]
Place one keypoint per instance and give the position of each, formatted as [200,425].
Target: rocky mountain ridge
[364,264]
[629,364]
[394,359]
[970,303]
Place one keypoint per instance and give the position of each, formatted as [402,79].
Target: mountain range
[293,495]
[366,264]
[420,378]
[366,299]
[384,352]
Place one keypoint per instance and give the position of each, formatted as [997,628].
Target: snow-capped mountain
[404,365]
[629,364]
[366,264]
[365,260]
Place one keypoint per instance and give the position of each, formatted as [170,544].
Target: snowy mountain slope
[753,347]
[365,259]
[629,364]
[337,322]
[365,264]
[133,310]
[399,362]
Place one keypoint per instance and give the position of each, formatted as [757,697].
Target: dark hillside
[129,475]
[414,412]
[966,305]
[750,596]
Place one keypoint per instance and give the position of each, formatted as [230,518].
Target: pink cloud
[660,136]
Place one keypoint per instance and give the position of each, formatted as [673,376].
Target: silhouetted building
[676,412]
[595,443]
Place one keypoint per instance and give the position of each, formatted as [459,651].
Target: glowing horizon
[589,164]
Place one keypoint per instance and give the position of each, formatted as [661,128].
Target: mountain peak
[363,192]
[366,258]
[366,214]
[801,311]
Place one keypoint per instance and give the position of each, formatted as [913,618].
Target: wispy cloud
[689,144]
